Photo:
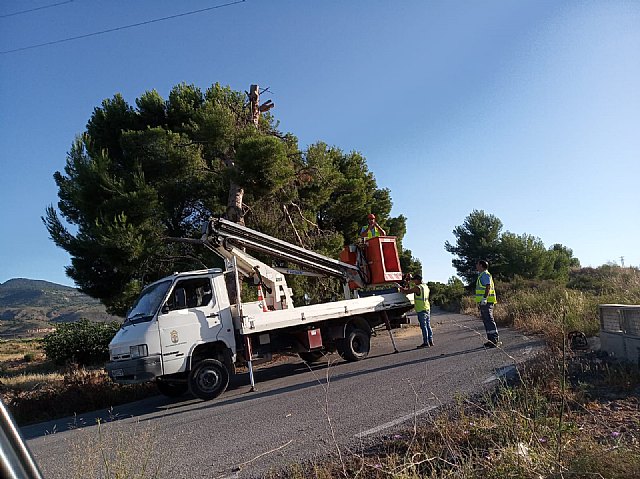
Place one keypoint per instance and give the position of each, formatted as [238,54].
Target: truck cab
[170,321]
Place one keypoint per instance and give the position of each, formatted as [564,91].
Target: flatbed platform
[257,321]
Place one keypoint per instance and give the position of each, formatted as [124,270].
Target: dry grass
[115,452]
[29,382]
[16,349]
[81,390]
[24,367]
[570,415]
[36,390]
[543,311]
[535,429]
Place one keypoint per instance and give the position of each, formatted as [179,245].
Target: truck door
[192,316]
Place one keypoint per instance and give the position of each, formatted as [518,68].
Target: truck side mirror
[165,308]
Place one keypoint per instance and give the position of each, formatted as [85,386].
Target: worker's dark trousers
[486,312]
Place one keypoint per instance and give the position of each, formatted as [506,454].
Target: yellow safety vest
[421,299]
[480,289]
[370,233]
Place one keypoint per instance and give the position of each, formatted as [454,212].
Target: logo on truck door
[174,336]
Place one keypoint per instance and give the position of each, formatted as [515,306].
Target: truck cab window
[191,293]
[148,303]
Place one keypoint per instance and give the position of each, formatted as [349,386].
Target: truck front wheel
[208,379]
[356,345]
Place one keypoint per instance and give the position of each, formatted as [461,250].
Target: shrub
[84,342]
[607,280]
[447,296]
[540,307]
[29,357]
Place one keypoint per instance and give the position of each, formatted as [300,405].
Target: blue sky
[529,110]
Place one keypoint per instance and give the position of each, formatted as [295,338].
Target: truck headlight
[139,351]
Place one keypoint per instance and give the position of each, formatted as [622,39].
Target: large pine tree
[138,177]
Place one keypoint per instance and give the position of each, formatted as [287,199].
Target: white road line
[235,475]
[395,422]
[500,373]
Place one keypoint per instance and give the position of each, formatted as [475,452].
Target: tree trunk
[234,204]
[236,193]
[254,102]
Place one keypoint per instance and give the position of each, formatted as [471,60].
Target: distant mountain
[30,307]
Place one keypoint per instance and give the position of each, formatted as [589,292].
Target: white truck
[190,330]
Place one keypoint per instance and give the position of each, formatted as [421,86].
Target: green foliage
[478,238]
[521,255]
[447,296]
[509,255]
[84,342]
[140,176]
[262,165]
[562,262]
[29,357]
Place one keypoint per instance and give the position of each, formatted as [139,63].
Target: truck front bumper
[132,371]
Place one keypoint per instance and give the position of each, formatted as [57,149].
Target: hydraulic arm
[226,237]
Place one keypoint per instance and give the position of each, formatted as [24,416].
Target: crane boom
[221,232]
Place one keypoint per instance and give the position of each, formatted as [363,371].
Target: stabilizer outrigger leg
[249,353]
[388,323]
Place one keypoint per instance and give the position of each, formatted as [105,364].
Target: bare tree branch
[286,212]
[304,218]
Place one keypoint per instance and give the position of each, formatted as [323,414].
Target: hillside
[28,305]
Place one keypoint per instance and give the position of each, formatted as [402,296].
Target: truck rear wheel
[208,379]
[311,357]
[356,345]
[172,389]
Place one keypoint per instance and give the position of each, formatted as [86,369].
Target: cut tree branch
[286,212]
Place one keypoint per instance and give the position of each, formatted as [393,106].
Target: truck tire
[311,357]
[172,389]
[356,345]
[208,379]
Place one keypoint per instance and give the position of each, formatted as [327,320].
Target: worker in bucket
[372,228]
[423,308]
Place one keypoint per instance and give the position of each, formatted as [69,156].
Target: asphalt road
[296,413]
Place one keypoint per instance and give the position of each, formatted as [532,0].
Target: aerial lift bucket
[381,258]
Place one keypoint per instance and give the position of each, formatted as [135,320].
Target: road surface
[297,412]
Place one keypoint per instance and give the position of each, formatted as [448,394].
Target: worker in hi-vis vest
[372,228]
[420,292]
[486,300]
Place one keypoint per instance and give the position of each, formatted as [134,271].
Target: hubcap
[358,344]
[208,380]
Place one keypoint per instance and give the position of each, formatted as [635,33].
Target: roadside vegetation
[540,428]
[62,374]
[569,414]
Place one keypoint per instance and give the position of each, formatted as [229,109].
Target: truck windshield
[147,303]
